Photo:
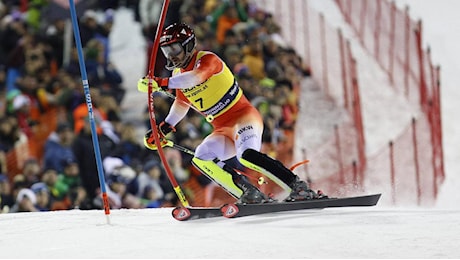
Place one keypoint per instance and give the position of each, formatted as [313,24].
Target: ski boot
[251,195]
[301,191]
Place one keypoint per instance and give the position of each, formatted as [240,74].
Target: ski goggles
[171,50]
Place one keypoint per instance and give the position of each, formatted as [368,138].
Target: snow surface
[153,233]
[375,232]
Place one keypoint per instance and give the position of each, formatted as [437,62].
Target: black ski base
[241,210]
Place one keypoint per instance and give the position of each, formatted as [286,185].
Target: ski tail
[241,210]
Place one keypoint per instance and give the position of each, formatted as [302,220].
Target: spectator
[22,111]
[6,198]
[287,100]
[40,100]
[10,133]
[50,177]
[106,25]
[12,31]
[35,53]
[42,195]
[253,58]
[225,17]
[34,10]
[233,56]
[58,148]
[19,182]
[90,27]
[83,149]
[149,11]
[80,113]
[31,171]
[112,126]
[54,36]
[25,201]
[69,184]
[129,148]
[66,189]
[122,181]
[69,94]
[101,72]
[149,184]
[272,66]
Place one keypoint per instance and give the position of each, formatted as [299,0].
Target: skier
[204,81]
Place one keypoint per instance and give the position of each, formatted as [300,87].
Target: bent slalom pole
[153,123]
[89,104]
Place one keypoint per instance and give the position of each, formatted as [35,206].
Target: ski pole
[84,79]
[180,148]
[156,43]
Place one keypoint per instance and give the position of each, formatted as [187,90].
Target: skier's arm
[178,110]
[207,66]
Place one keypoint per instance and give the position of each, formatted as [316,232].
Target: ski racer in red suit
[204,81]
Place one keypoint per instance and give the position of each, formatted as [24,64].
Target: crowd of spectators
[38,73]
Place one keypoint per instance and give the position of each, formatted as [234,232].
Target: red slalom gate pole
[156,43]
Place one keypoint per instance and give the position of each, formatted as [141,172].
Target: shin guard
[269,167]
[218,175]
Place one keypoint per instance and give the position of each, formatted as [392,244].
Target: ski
[191,213]
[234,210]
[241,210]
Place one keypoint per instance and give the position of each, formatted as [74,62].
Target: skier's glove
[163,129]
[157,84]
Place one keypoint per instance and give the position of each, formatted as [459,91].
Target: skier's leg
[218,146]
[214,172]
[299,189]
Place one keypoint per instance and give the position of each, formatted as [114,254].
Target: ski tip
[229,210]
[181,213]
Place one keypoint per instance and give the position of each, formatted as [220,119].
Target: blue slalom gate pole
[84,79]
